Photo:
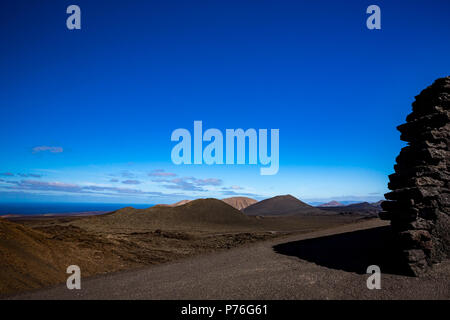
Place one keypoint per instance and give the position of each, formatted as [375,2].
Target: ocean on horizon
[43,208]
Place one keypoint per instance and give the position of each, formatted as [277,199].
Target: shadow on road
[351,251]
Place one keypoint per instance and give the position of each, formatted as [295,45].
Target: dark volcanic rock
[419,204]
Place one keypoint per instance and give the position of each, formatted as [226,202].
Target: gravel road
[328,264]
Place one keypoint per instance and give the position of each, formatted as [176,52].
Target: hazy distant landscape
[42,208]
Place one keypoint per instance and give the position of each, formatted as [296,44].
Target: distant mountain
[363,208]
[201,213]
[176,204]
[239,203]
[331,204]
[378,204]
[281,205]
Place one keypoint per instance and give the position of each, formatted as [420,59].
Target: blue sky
[86,115]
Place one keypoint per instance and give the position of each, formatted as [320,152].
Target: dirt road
[328,264]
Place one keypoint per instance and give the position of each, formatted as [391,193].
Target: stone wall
[419,204]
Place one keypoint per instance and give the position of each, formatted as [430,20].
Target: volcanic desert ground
[235,248]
